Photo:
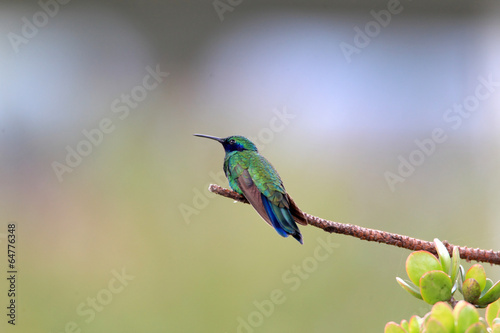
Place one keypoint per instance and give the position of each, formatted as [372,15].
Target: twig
[379,236]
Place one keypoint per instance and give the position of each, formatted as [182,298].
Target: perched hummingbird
[251,175]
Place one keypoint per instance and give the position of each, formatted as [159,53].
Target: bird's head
[232,143]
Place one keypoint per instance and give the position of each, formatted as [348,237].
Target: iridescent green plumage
[251,175]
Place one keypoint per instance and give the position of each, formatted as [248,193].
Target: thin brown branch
[379,236]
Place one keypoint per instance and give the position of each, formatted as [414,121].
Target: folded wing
[273,204]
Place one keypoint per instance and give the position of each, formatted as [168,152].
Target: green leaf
[471,290]
[435,286]
[492,312]
[392,327]
[476,328]
[443,313]
[404,325]
[434,326]
[496,326]
[491,295]
[465,315]
[477,273]
[489,284]
[461,277]
[444,256]
[414,325]
[419,263]
[455,264]
[412,289]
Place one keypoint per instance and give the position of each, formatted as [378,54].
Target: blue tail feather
[281,220]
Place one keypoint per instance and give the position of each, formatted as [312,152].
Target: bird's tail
[297,213]
[282,220]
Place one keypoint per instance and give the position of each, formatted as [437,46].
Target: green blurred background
[136,205]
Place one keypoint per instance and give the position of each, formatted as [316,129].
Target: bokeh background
[135,204]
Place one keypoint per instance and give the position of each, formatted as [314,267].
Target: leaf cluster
[435,280]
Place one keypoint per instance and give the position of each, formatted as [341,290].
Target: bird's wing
[252,194]
[270,184]
[259,182]
[263,188]
[277,216]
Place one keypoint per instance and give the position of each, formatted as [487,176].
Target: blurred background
[375,113]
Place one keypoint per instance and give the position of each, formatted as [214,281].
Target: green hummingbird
[252,176]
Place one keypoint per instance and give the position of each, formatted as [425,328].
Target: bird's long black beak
[210,137]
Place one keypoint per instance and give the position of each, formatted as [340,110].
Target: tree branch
[379,236]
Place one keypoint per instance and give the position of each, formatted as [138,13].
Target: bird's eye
[232,142]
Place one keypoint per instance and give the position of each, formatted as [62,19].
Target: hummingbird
[252,176]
